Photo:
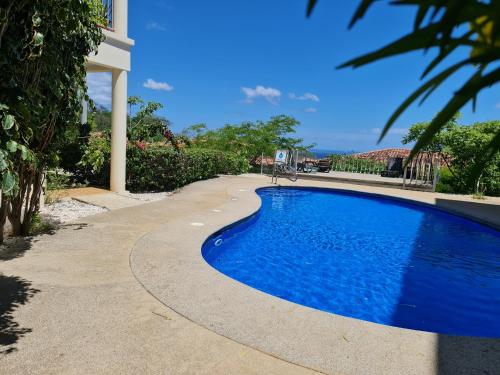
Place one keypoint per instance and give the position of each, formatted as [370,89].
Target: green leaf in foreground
[12,146]
[38,39]
[24,152]
[8,122]
[310,6]
[8,183]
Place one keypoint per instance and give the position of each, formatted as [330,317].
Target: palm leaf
[360,11]
[421,13]
[310,7]
[461,97]
[444,53]
[429,86]
[442,18]
[410,42]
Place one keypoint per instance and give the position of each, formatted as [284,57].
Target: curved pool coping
[169,264]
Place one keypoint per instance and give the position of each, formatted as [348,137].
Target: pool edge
[423,338]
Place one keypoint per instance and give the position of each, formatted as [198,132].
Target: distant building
[390,153]
[384,154]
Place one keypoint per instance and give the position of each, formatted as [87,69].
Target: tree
[194,131]
[436,144]
[145,125]
[249,139]
[100,119]
[445,25]
[43,46]
[461,148]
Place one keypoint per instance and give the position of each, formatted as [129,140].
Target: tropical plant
[448,26]
[43,45]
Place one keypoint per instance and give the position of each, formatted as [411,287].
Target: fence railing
[347,163]
[423,172]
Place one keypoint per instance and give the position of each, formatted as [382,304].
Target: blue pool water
[369,258]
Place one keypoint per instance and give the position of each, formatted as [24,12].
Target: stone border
[169,264]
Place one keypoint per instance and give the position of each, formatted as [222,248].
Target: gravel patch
[68,210]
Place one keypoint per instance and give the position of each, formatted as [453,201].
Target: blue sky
[220,62]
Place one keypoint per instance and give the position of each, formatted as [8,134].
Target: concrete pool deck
[72,303]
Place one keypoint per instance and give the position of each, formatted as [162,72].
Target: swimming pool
[367,257]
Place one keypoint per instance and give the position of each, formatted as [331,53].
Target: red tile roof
[383,155]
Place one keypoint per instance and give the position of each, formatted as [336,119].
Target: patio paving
[108,200]
[363,179]
[71,303]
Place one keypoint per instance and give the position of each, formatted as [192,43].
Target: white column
[118,131]
[120,14]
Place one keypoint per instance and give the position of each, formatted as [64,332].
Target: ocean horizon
[324,152]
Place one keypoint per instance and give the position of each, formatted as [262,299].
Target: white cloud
[155,26]
[311,110]
[498,105]
[392,131]
[153,85]
[306,96]
[99,88]
[272,95]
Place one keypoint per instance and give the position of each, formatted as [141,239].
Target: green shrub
[447,183]
[489,184]
[157,167]
[57,181]
[95,163]
[69,156]
[160,168]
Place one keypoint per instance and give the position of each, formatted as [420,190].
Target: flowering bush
[158,167]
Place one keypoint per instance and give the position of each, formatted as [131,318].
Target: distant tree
[249,139]
[448,26]
[144,124]
[100,119]
[194,131]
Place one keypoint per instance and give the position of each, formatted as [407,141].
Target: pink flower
[141,145]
